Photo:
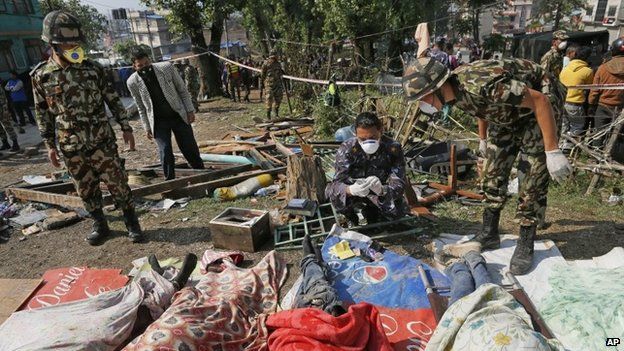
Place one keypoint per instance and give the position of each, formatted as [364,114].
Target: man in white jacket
[165,106]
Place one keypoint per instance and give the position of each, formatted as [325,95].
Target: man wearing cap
[514,97]
[271,78]
[69,92]
[191,78]
[370,174]
[552,61]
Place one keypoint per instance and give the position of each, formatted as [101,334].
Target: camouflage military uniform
[6,127]
[191,77]
[388,164]
[70,109]
[271,78]
[552,62]
[493,90]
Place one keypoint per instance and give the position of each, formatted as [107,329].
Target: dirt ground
[583,226]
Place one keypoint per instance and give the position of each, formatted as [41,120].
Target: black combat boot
[132,224]
[15,146]
[188,266]
[100,228]
[276,111]
[306,244]
[5,145]
[488,237]
[153,261]
[522,258]
[269,114]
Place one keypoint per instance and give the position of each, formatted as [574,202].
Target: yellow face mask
[75,55]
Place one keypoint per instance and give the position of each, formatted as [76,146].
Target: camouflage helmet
[561,35]
[186,61]
[60,27]
[423,76]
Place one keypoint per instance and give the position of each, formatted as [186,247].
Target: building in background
[20,36]
[513,19]
[604,14]
[151,28]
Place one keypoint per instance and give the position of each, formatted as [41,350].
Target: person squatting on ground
[606,104]
[19,99]
[69,93]
[577,72]
[370,174]
[511,98]
[6,126]
[165,106]
[271,78]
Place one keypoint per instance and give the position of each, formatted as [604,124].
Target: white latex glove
[375,185]
[558,165]
[482,147]
[360,188]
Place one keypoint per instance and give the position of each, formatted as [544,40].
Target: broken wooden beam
[173,184]
[203,189]
[45,197]
[260,159]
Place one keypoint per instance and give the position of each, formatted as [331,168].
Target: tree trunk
[213,76]
[306,178]
[557,16]
[475,25]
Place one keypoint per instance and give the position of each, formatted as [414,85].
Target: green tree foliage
[122,48]
[190,17]
[554,10]
[93,23]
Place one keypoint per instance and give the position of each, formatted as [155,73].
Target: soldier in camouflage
[191,78]
[552,61]
[271,78]
[370,174]
[69,93]
[6,127]
[514,97]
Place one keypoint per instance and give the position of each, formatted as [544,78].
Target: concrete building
[604,14]
[20,35]
[151,28]
[511,20]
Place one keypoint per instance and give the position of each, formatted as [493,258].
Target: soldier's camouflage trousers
[504,144]
[88,168]
[274,96]
[6,125]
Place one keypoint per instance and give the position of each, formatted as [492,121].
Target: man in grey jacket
[165,106]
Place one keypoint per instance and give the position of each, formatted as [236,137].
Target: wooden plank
[13,294]
[203,189]
[45,197]
[260,159]
[62,188]
[169,185]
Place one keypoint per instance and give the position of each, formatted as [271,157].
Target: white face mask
[370,146]
[566,61]
[427,108]
[563,45]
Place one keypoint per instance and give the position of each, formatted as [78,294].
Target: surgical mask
[370,146]
[74,55]
[566,61]
[428,109]
[563,45]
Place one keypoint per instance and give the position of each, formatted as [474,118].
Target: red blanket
[312,329]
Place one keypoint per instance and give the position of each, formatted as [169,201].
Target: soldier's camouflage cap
[561,35]
[60,27]
[423,76]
